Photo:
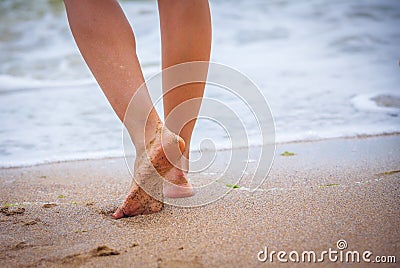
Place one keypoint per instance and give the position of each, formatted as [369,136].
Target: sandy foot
[146,193]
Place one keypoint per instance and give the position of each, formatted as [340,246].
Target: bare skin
[145,195]
[107,43]
[186,37]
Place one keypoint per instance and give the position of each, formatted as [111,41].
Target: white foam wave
[366,102]
[27,162]
[13,83]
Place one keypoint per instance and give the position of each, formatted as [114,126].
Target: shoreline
[361,136]
[59,214]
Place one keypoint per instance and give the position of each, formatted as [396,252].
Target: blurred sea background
[327,69]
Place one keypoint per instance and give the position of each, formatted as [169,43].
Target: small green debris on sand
[390,172]
[43,177]
[10,205]
[61,196]
[287,153]
[74,203]
[234,186]
[328,185]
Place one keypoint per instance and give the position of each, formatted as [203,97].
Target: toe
[118,213]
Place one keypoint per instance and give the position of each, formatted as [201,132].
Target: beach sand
[58,214]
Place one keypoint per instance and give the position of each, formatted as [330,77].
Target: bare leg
[107,44]
[186,37]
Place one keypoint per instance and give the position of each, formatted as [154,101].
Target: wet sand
[59,214]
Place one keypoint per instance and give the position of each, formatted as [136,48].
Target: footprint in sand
[80,258]
[8,211]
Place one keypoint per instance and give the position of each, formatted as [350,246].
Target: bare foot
[176,184]
[145,195]
[138,202]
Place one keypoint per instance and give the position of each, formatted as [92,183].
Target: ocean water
[327,69]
